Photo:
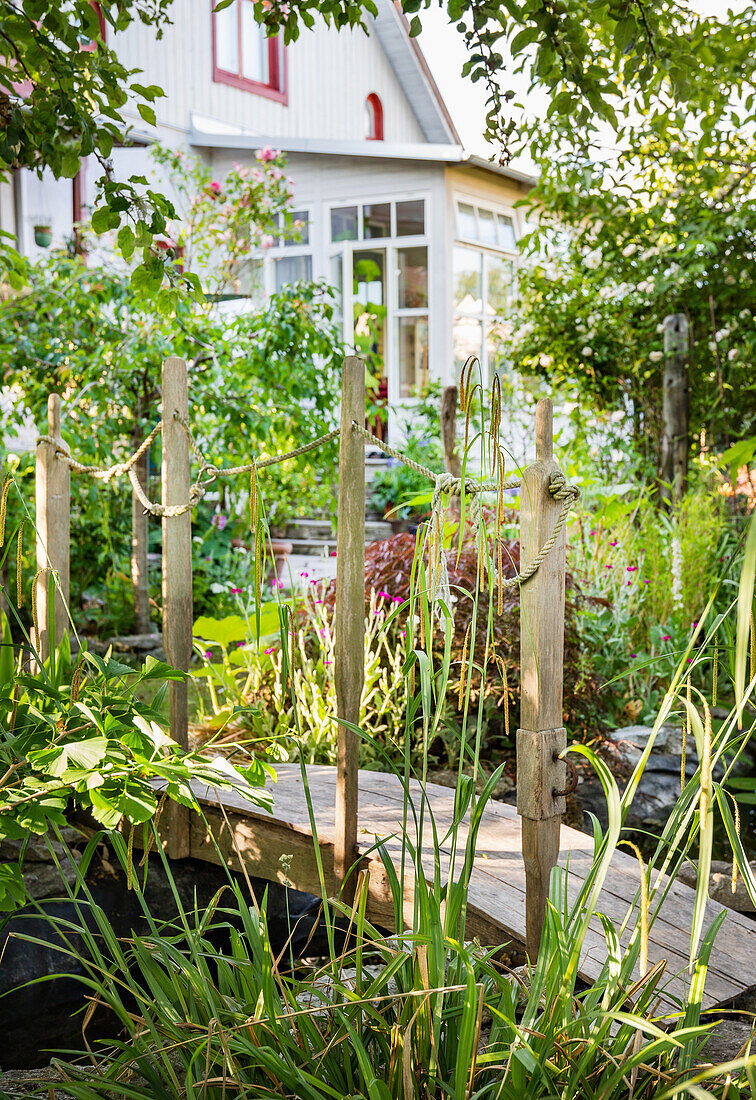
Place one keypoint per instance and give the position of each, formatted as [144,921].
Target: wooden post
[349,656]
[140,532]
[541,737]
[449,398]
[675,409]
[53,511]
[177,574]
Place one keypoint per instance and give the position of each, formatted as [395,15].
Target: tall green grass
[427,1012]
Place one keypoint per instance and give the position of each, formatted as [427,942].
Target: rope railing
[443,483]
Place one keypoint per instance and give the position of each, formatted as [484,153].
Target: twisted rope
[442,483]
[212,472]
[102,473]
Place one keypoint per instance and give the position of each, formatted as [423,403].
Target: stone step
[377,529]
[312,529]
[316,547]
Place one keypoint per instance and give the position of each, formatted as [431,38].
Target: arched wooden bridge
[496,912]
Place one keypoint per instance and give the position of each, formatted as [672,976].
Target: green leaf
[147,113]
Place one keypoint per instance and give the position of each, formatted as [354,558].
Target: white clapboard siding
[330,75]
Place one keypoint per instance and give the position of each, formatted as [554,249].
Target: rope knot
[561,490]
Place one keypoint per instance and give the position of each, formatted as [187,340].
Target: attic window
[373,118]
[243,55]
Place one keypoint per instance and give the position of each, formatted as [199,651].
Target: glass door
[370,313]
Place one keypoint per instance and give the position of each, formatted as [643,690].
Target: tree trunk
[675,409]
[139,542]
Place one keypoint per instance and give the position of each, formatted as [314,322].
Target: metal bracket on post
[542,738]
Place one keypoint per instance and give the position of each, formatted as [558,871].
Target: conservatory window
[243,55]
[378,219]
[487,227]
[482,295]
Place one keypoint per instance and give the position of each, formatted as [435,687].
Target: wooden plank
[497,910]
[542,738]
[53,524]
[177,575]
[349,651]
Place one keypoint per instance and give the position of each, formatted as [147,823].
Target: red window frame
[375,107]
[276,88]
[103,26]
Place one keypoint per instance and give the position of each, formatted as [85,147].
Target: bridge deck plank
[497,887]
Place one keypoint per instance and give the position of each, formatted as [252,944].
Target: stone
[720,884]
[659,786]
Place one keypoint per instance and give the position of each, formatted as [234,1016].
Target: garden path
[496,911]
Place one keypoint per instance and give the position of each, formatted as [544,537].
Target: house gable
[329,75]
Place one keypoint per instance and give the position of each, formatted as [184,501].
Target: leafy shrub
[389,571]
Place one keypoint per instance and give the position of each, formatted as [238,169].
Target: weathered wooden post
[541,737]
[675,408]
[349,655]
[177,575]
[53,511]
[452,463]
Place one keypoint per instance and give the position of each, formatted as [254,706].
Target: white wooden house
[419,238]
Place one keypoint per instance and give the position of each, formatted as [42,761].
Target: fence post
[675,409]
[541,737]
[349,656]
[177,575]
[53,512]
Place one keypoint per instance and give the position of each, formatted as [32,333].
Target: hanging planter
[43,235]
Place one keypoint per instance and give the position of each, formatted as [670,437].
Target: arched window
[373,118]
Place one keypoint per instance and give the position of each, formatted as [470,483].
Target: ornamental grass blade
[745,608]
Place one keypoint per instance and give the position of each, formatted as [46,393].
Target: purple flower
[208,654]
[647,582]
[632,655]
[240,645]
[219,520]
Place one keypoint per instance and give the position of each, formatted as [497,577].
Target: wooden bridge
[516,850]
[496,910]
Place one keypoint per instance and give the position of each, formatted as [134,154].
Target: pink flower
[267,241]
[397,599]
[270,649]
[240,645]
[215,186]
[384,595]
[667,638]
[276,584]
[615,543]
[236,591]
[219,521]
[208,654]
[607,567]
[267,154]
[327,662]
[303,574]
[647,582]
[593,532]
[631,568]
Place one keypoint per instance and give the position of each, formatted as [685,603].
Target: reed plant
[424,1011]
